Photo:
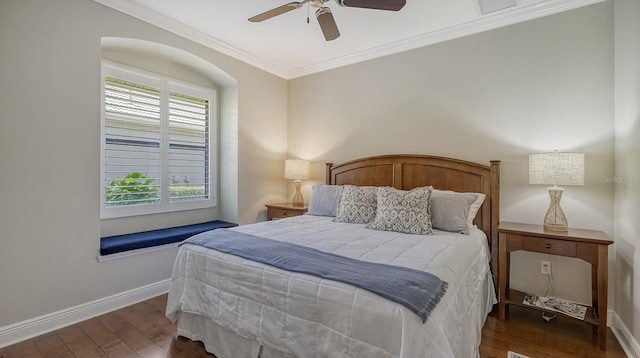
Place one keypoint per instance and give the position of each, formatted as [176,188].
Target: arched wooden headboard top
[406,172]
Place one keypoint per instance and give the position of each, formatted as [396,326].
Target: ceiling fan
[324,16]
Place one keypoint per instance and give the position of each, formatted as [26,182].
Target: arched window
[159,129]
[158,143]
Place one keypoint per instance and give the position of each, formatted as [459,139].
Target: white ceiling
[289,47]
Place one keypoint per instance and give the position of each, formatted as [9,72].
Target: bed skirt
[224,343]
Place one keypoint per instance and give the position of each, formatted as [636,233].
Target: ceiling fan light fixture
[321,11]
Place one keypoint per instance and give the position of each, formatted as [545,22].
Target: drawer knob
[547,246]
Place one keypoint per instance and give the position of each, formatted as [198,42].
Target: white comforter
[305,316]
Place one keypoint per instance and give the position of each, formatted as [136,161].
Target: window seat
[138,240]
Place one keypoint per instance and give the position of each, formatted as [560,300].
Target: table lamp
[297,170]
[556,169]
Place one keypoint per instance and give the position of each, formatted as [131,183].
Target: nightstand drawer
[549,246]
[284,210]
[282,213]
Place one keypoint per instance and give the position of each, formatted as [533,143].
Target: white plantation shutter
[157,144]
[188,147]
[132,143]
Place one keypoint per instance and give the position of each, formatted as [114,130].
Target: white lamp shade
[297,169]
[556,168]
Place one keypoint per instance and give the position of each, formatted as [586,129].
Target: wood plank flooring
[142,330]
[525,332]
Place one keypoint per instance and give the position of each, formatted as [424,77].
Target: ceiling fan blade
[393,5]
[275,12]
[327,24]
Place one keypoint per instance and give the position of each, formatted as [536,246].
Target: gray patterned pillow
[403,211]
[357,205]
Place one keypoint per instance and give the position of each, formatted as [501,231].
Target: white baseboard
[50,322]
[627,341]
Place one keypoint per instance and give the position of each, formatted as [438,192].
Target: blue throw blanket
[417,290]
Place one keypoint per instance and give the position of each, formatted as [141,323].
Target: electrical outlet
[545,267]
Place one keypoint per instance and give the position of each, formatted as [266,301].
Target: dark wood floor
[142,330]
[525,332]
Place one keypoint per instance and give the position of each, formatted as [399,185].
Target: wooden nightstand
[284,210]
[588,245]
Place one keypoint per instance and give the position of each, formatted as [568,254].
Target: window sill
[146,250]
[142,242]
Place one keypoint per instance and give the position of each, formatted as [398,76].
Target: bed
[243,308]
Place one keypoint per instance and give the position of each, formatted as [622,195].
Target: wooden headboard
[410,171]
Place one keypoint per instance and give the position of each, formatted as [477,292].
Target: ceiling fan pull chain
[308,13]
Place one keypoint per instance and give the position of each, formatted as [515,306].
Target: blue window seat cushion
[139,240]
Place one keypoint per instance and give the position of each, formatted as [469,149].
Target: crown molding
[163,22]
[487,22]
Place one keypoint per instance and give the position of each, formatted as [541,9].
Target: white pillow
[403,211]
[453,211]
[324,200]
[473,209]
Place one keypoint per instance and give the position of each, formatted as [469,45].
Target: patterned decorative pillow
[357,205]
[324,201]
[403,211]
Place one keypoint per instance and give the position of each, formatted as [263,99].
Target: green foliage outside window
[134,188]
[186,193]
[138,188]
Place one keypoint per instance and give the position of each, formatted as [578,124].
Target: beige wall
[532,87]
[627,187]
[50,55]
[537,86]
